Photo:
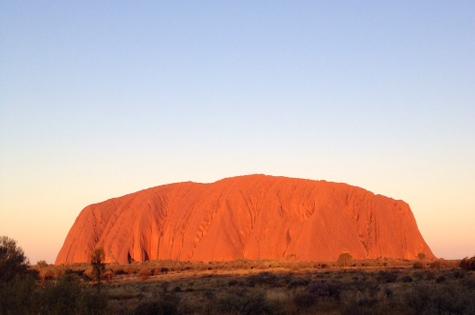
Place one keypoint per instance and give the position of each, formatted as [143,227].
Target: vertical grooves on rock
[250,217]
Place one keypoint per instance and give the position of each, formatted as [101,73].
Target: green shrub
[360,303]
[242,302]
[429,275]
[304,299]
[437,264]
[440,299]
[458,274]
[264,278]
[417,265]
[46,274]
[325,290]
[406,279]
[298,282]
[17,296]
[419,275]
[166,305]
[345,259]
[232,282]
[469,284]
[440,279]
[69,296]
[387,276]
[468,263]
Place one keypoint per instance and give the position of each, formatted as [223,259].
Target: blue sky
[99,99]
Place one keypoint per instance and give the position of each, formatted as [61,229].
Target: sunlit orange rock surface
[247,217]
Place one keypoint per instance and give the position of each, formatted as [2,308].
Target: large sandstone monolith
[246,217]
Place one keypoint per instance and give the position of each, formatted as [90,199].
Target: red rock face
[247,217]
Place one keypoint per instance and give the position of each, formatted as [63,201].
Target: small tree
[98,266]
[42,264]
[12,259]
[17,282]
[344,259]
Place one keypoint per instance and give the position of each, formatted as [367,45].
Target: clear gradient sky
[102,98]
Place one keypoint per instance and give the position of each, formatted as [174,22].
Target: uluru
[252,217]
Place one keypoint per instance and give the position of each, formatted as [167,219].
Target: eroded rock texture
[247,217]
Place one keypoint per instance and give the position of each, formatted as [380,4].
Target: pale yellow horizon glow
[38,210]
